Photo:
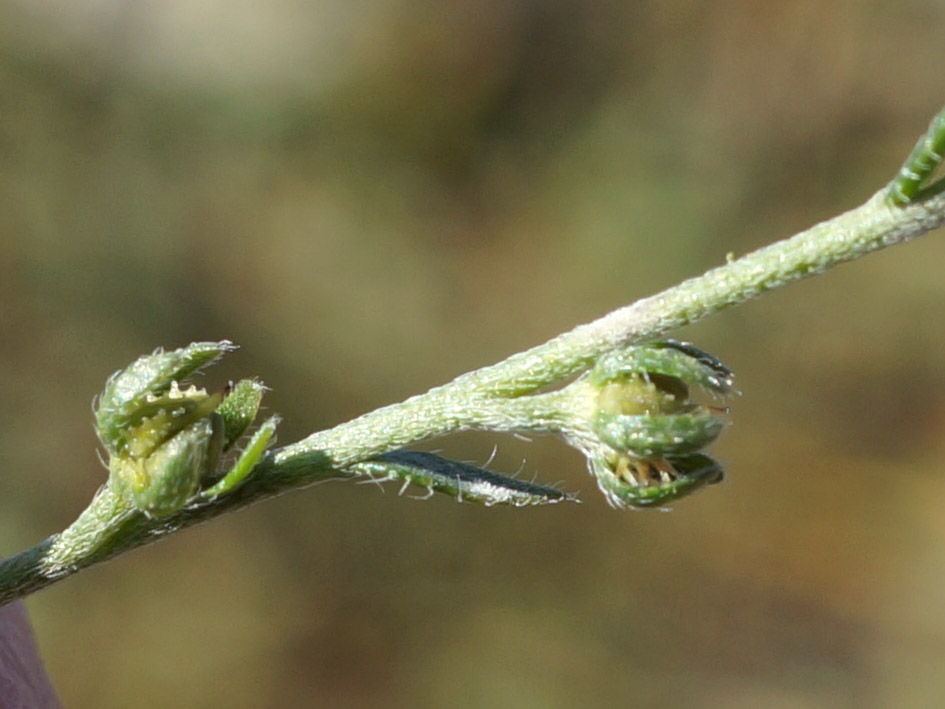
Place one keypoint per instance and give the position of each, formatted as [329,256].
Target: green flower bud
[165,438]
[144,400]
[645,430]
[166,480]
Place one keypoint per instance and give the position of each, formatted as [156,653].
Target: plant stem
[870,227]
[493,398]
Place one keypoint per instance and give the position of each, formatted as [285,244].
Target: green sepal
[135,393]
[246,462]
[164,417]
[669,358]
[168,479]
[239,410]
[655,436]
[691,473]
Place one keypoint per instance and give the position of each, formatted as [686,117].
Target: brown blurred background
[373,197]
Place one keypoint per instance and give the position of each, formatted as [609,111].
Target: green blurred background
[373,197]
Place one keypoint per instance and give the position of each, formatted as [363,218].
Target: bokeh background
[373,197]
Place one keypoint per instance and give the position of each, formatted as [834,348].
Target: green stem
[492,398]
[870,227]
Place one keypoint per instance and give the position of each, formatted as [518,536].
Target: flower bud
[166,480]
[164,437]
[142,405]
[646,429]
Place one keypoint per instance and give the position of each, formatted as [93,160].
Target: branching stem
[501,397]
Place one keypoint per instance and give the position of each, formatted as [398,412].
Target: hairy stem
[870,227]
[500,397]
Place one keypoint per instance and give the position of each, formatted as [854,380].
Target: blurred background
[374,197]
